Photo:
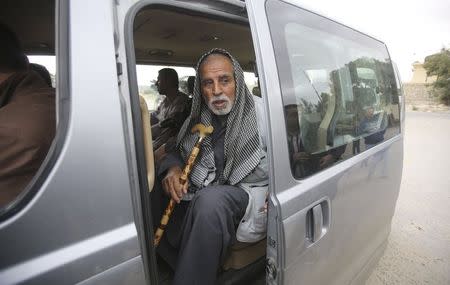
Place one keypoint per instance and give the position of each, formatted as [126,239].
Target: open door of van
[334,185]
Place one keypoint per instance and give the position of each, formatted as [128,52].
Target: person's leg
[209,230]
[170,241]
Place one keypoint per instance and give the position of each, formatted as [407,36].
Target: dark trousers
[203,230]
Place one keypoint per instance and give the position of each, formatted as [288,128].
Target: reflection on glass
[339,88]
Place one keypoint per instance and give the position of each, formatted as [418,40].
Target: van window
[147,74]
[47,61]
[338,86]
[27,98]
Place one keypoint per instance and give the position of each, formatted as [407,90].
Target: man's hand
[326,160]
[299,156]
[172,186]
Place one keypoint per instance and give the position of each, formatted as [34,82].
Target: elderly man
[228,183]
[27,118]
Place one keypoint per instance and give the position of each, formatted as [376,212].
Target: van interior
[180,43]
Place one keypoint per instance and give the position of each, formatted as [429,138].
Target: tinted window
[338,86]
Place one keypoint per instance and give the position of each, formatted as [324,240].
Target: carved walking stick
[203,131]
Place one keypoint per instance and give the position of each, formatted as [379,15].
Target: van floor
[253,276]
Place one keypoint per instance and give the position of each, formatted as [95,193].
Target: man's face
[161,84]
[217,84]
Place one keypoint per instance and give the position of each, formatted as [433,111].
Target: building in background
[420,74]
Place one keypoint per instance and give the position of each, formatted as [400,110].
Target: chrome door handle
[318,221]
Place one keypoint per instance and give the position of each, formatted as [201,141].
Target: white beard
[225,110]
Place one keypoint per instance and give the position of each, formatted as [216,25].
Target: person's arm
[170,160]
[27,129]
[156,131]
[153,117]
[171,169]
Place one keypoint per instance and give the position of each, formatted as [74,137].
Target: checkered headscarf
[241,147]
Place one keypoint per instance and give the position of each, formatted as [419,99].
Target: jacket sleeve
[170,160]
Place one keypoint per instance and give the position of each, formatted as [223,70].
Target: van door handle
[317,221]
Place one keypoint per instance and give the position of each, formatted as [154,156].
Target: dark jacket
[27,129]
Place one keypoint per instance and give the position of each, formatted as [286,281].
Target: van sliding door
[336,164]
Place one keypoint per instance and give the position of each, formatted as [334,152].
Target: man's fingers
[174,196]
[179,190]
[173,192]
[178,187]
[185,187]
[172,185]
[165,186]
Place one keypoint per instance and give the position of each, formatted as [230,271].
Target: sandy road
[418,251]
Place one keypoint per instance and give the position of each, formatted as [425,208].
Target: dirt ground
[418,250]
[428,108]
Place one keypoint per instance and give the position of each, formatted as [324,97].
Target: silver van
[334,122]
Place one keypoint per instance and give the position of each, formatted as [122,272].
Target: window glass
[338,88]
[148,74]
[49,62]
[27,97]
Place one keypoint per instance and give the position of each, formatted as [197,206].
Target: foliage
[439,65]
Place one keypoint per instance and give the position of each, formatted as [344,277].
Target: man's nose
[217,90]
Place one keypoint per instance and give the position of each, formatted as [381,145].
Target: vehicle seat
[243,254]
[148,143]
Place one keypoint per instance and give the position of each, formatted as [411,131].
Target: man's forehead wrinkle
[213,56]
[212,68]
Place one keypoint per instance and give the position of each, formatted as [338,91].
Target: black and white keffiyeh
[242,145]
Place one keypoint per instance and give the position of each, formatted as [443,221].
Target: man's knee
[211,203]
[220,201]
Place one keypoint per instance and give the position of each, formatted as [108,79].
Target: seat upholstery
[147,137]
[242,254]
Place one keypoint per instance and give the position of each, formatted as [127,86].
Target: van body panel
[118,244]
[269,84]
[87,195]
[130,272]
[362,192]
[362,200]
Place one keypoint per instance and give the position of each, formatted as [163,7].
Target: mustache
[220,98]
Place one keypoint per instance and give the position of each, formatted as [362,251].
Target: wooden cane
[203,131]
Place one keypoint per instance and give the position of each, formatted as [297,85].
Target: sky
[411,29]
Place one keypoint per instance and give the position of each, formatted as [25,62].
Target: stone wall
[418,97]
[419,94]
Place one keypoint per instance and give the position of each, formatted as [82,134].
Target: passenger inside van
[224,199]
[43,72]
[27,118]
[170,115]
[190,86]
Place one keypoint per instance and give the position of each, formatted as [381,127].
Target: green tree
[439,65]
